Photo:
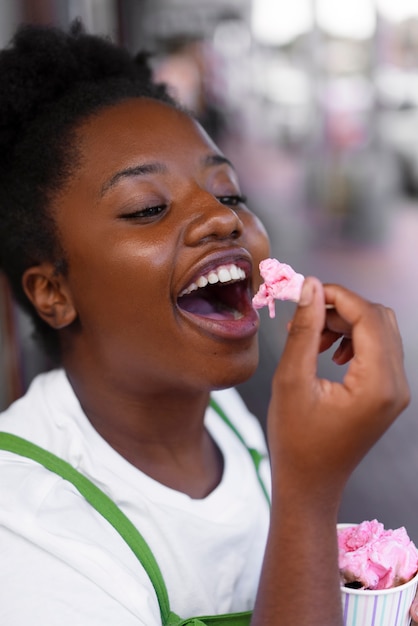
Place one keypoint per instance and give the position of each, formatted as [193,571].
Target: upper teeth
[223,274]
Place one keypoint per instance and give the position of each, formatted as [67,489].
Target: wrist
[304,499]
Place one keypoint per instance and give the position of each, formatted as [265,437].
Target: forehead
[140,128]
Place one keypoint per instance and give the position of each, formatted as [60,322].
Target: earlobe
[49,294]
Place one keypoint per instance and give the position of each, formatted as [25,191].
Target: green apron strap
[104,505]
[230,619]
[256,456]
[110,511]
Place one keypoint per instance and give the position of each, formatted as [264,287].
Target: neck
[162,434]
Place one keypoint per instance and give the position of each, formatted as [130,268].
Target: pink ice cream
[281,282]
[374,557]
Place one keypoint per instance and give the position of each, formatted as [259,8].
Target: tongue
[205,308]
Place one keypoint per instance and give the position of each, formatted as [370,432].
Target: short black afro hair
[50,81]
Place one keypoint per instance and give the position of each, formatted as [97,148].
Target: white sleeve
[38,589]
[59,564]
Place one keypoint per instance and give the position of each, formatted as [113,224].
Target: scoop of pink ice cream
[374,557]
[281,282]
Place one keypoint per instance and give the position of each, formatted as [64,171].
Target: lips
[219,299]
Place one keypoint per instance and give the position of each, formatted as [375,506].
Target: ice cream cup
[383,607]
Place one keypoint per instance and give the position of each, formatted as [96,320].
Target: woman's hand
[319,430]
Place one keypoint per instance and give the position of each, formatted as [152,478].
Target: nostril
[220,222]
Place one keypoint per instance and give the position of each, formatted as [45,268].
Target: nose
[213,220]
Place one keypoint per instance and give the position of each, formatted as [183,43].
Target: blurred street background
[316,103]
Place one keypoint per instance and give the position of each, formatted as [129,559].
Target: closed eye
[232,200]
[148,212]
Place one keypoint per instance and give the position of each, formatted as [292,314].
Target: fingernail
[307,293]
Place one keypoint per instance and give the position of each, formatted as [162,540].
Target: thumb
[300,353]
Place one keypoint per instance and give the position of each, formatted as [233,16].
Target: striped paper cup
[383,607]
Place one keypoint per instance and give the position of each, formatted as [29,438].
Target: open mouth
[221,294]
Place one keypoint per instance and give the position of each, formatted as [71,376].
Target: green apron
[108,509]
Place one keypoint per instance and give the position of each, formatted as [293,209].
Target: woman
[125,234]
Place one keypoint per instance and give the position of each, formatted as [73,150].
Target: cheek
[123,282]
[258,243]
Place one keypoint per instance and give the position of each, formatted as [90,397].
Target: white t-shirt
[62,564]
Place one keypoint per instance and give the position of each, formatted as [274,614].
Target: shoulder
[50,416]
[22,417]
[47,527]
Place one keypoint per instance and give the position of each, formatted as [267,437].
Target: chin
[236,372]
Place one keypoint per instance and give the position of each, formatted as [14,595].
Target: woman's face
[152,224]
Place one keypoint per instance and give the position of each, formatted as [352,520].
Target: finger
[414,611]
[344,352]
[335,323]
[394,323]
[328,338]
[300,353]
[334,328]
[370,323]
[377,346]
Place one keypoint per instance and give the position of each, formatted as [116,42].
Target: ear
[50,295]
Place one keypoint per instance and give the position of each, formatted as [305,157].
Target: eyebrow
[136,170]
[210,160]
[216,159]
